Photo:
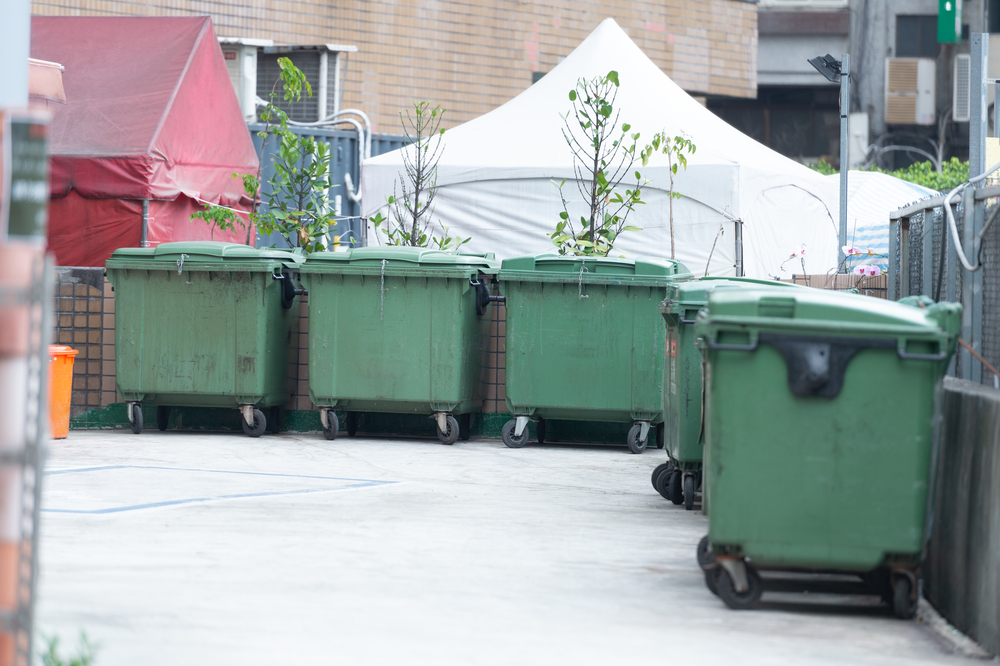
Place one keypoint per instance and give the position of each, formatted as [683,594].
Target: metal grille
[915,256]
[307,109]
[991,297]
[496,362]
[80,323]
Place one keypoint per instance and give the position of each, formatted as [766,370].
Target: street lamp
[839,71]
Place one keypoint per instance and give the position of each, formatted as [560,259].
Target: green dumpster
[820,413]
[584,342]
[680,477]
[203,324]
[399,330]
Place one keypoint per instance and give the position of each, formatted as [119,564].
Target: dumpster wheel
[664,481]
[135,422]
[674,491]
[689,487]
[331,424]
[635,442]
[659,469]
[451,435]
[512,441]
[259,424]
[726,589]
[162,417]
[904,601]
[352,423]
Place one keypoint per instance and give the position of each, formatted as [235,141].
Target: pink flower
[859,270]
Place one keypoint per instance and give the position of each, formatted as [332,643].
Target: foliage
[675,149]
[410,209]
[298,205]
[604,154]
[51,656]
[953,173]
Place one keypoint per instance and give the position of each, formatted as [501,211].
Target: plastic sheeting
[495,175]
[150,114]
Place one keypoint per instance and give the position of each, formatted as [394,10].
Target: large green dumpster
[398,330]
[584,342]
[820,413]
[679,478]
[203,324]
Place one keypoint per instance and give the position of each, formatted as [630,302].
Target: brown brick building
[472,56]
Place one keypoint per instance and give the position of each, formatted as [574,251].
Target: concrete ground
[184,548]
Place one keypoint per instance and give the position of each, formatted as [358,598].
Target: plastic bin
[584,342]
[203,324]
[683,397]
[820,412]
[60,389]
[398,330]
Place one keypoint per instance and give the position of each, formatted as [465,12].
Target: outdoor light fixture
[839,71]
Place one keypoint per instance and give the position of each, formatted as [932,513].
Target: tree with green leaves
[411,207]
[604,154]
[298,205]
[676,149]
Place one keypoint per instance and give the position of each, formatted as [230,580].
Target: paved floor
[180,548]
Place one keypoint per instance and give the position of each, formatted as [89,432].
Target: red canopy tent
[150,121]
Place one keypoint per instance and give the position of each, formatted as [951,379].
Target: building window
[916,37]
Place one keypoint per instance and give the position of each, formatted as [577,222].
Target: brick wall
[85,320]
[471,57]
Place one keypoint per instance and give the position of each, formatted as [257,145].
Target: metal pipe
[845,161]
[145,223]
[324,58]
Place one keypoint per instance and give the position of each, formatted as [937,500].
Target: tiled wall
[471,57]
[85,320]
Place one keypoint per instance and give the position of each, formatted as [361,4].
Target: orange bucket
[60,389]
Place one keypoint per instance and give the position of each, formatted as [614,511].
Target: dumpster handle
[907,356]
[712,344]
[686,321]
[484,297]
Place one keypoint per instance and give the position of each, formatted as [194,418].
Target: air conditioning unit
[324,67]
[961,99]
[909,91]
[241,60]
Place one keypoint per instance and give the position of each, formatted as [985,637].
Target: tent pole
[739,247]
[145,222]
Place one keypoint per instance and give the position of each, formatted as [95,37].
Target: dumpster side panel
[819,482]
[683,394]
[579,358]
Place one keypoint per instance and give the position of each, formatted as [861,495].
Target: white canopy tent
[495,175]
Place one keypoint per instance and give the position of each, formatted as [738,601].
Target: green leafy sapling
[604,154]
[411,207]
[677,150]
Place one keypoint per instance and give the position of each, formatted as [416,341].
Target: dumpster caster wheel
[465,427]
[664,480]
[452,434]
[352,423]
[738,600]
[706,556]
[259,424]
[659,469]
[540,430]
[674,491]
[507,434]
[162,417]
[710,582]
[636,445]
[689,492]
[332,426]
[274,420]
[904,606]
[660,434]
[136,424]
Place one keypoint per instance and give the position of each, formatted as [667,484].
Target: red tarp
[150,114]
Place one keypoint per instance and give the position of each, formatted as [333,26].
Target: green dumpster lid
[692,294]
[206,251]
[828,310]
[593,266]
[400,257]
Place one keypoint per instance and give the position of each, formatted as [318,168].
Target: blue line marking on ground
[359,483]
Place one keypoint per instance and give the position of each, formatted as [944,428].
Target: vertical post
[323,71]
[845,161]
[996,109]
[927,255]
[145,223]
[904,257]
[739,247]
[337,95]
[891,277]
[951,259]
[980,50]
[15,37]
